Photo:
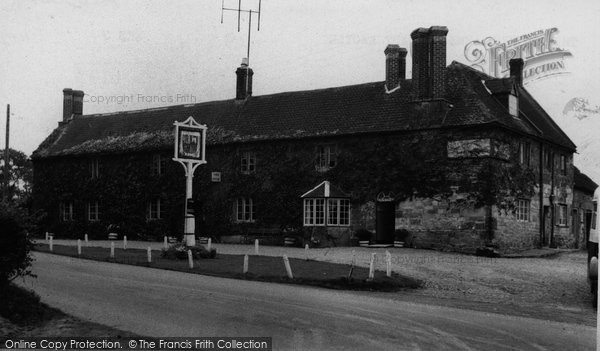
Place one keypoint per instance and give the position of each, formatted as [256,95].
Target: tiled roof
[584,183]
[363,108]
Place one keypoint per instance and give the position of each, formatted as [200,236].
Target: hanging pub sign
[190,141]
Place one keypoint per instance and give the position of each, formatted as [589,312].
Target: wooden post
[306,252]
[353,261]
[372,267]
[7,154]
[288,268]
[165,243]
[209,244]
[51,243]
[256,246]
[78,247]
[46,236]
[87,243]
[388,264]
[190,259]
[149,255]
[245,264]
[112,249]
[124,242]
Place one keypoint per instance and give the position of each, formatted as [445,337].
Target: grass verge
[261,268]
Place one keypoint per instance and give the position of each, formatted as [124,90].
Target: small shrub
[15,243]
[179,251]
[363,235]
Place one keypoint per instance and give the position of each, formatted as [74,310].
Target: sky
[134,54]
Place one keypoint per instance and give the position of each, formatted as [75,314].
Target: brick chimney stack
[72,104]
[244,81]
[429,62]
[516,70]
[395,66]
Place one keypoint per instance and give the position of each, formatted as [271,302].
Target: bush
[179,252]
[15,243]
[363,235]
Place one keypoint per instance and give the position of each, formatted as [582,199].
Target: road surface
[155,302]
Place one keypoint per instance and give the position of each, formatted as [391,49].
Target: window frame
[248,162]
[563,216]
[159,164]
[155,209]
[244,210]
[563,164]
[326,157]
[513,105]
[96,211]
[94,168]
[523,210]
[525,153]
[66,216]
[317,212]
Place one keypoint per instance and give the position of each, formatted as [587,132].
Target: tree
[21,175]
[15,243]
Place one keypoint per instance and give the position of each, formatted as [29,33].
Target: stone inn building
[470,161]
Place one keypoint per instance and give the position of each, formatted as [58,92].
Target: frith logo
[541,55]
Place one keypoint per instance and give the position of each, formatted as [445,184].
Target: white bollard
[46,236]
[51,244]
[112,249]
[190,259]
[165,243]
[256,246]
[87,243]
[245,264]
[388,264]
[288,268]
[78,247]
[149,255]
[124,242]
[353,262]
[372,267]
[306,252]
[209,244]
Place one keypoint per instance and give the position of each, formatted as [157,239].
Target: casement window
[159,164]
[548,159]
[338,212]
[248,162]
[524,153]
[523,210]
[562,215]
[513,105]
[93,211]
[594,215]
[326,157]
[314,212]
[155,209]
[244,210]
[66,211]
[563,164]
[94,166]
[331,212]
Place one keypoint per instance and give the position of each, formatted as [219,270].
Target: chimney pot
[67,104]
[516,70]
[77,103]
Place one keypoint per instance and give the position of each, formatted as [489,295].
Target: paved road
[163,303]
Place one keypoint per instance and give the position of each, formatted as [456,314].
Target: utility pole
[6,153]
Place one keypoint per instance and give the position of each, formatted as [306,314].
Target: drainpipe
[552,214]
[541,195]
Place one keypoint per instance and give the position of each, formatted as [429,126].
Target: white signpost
[190,149]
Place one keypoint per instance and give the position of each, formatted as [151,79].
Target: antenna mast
[239,11]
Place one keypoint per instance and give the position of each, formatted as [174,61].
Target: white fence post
[124,242]
[353,262]
[165,243]
[306,252]
[46,236]
[112,249]
[245,264]
[149,255]
[372,267]
[388,263]
[78,247]
[190,259]
[209,245]
[256,246]
[87,243]
[51,243]
[288,268]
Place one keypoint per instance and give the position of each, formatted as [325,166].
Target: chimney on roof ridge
[429,62]
[516,70]
[72,104]
[395,66]
[244,80]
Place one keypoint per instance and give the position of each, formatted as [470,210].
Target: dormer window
[513,105]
